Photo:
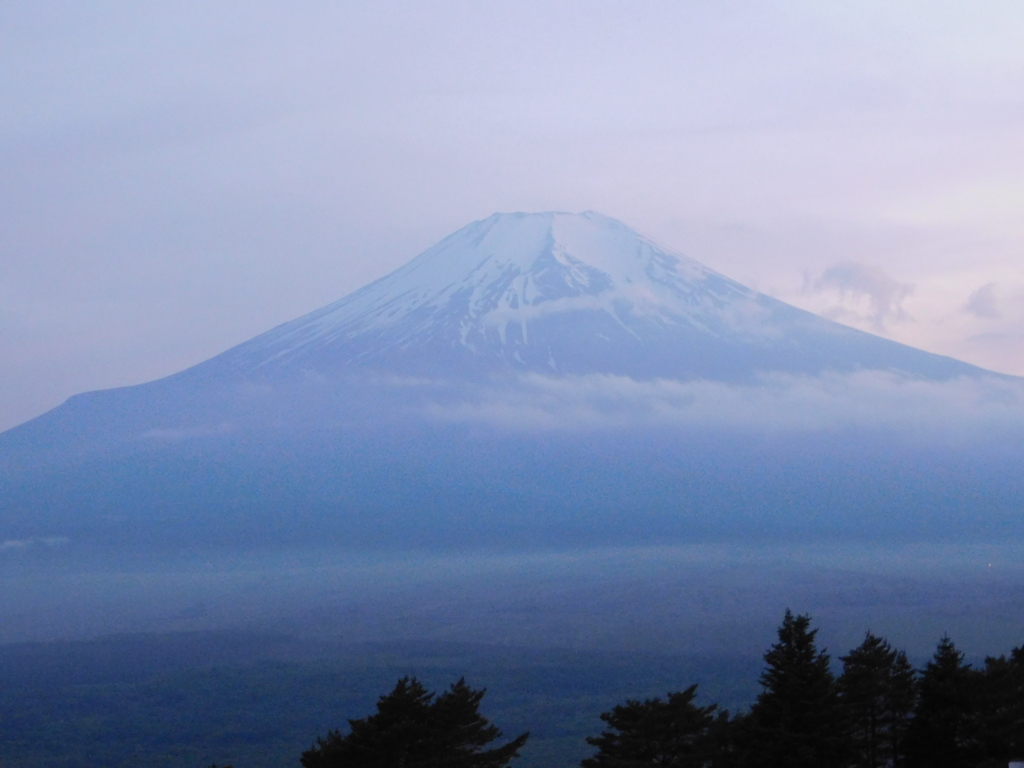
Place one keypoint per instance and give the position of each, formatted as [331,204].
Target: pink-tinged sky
[177,179]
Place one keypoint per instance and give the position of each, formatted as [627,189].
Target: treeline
[878,712]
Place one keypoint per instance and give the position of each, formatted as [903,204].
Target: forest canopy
[877,712]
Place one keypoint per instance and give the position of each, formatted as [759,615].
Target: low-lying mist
[582,512]
[705,599]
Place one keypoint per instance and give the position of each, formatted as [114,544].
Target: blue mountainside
[533,378]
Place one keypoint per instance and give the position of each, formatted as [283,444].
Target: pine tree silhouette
[413,729]
[877,689]
[674,732]
[863,685]
[1000,708]
[939,734]
[900,700]
[797,720]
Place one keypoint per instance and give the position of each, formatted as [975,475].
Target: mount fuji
[542,377]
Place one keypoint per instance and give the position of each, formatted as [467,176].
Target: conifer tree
[864,686]
[412,729]
[900,700]
[1000,708]
[797,720]
[939,734]
[674,732]
[877,689]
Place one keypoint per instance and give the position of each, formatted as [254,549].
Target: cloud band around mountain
[778,402]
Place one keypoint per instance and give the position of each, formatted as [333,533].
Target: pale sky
[176,178]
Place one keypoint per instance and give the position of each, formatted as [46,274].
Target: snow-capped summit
[559,293]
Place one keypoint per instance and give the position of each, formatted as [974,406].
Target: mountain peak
[506,290]
[563,293]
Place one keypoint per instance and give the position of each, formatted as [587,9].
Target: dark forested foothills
[870,708]
[877,712]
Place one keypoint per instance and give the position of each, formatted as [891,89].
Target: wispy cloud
[187,433]
[982,303]
[21,544]
[870,399]
[864,292]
